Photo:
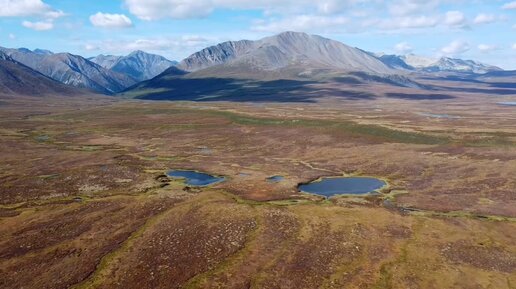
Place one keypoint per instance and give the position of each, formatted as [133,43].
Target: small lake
[196,179]
[434,115]
[275,179]
[330,187]
[507,103]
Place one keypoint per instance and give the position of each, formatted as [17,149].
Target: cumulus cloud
[407,22]
[162,45]
[456,47]
[38,25]
[300,23]
[403,48]
[34,8]
[455,18]
[91,47]
[510,5]
[16,8]
[179,9]
[12,36]
[484,18]
[410,7]
[332,6]
[486,48]
[106,20]
[328,16]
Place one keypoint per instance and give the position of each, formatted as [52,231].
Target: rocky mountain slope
[138,65]
[73,70]
[106,61]
[215,55]
[290,54]
[286,63]
[431,65]
[286,66]
[459,65]
[18,79]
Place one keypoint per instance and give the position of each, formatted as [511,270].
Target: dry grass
[82,204]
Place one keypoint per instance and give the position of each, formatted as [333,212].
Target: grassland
[84,203]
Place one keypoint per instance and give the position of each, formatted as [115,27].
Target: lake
[329,187]
[507,103]
[275,179]
[193,178]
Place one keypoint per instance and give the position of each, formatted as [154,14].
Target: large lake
[329,187]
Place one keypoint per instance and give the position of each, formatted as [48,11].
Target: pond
[196,179]
[275,179]
[507,103]
[329,187]
[434,115]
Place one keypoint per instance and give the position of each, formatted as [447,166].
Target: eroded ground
[84,202]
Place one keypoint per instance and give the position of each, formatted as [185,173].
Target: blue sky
[477,29]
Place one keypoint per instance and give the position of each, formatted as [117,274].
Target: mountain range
[102,77]
[444,64]
[18,79]
[138,65]
[278,63]
[289,54]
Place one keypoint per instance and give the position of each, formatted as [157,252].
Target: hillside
[138,65]
[288,54]
[73,70]
[18,79]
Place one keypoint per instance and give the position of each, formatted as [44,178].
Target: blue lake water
[434,115]
[329,187]
[507,103]
[195,178]
[275,179]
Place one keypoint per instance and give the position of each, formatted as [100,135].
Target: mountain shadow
[238,90]
[413,96]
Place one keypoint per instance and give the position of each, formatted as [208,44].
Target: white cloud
[300,23]
[91,47]
[12,36]
[455,48]
[411,7]
[179,9]
[110,20]
[15,8]
[514,46]
[484,18]
[455,18]
[322,16]
[39,25]
[331,6]
[486,48]
[510,5]
[407,22]
[403,48]
[162,45]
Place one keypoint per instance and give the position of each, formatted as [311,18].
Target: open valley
[87,197]
[237,144]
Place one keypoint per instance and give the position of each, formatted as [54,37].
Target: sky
[482,30]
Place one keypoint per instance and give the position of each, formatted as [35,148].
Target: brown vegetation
[84,202]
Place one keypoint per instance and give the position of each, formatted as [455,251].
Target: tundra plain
[85,202]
